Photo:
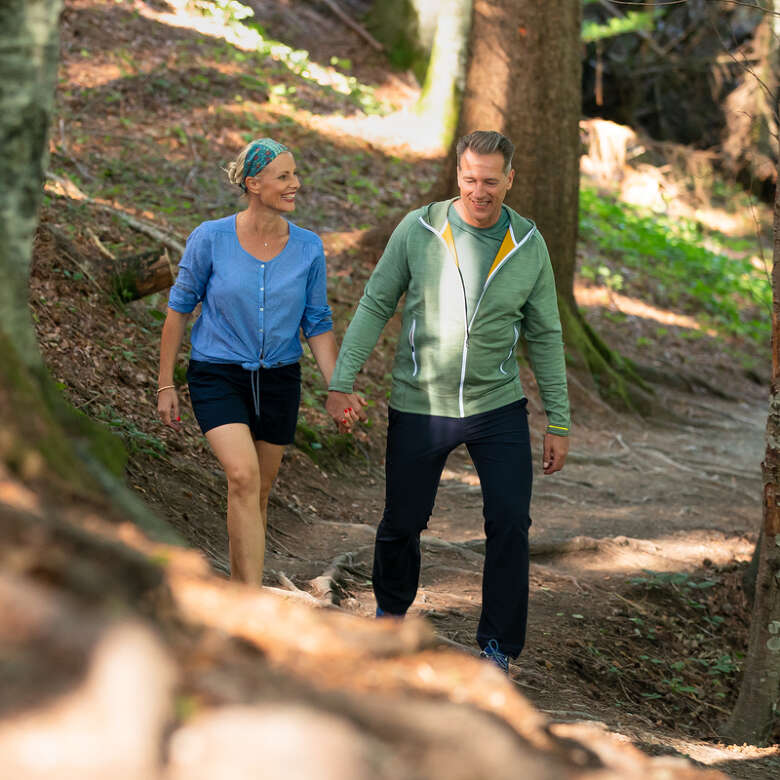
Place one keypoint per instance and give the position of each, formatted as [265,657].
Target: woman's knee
[243,479]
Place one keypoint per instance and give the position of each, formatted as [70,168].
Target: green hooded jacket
[448,361]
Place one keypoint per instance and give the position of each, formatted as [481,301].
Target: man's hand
[556,448]
[345,409]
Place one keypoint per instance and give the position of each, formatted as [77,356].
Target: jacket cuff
[557,430]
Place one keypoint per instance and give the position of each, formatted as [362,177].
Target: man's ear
[510,178]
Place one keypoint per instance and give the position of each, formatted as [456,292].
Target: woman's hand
[346,409]
[168,408]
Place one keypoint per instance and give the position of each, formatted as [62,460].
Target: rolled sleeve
[193,274]
[317,317]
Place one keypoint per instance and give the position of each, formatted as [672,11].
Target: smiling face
[483,185]
[276,185]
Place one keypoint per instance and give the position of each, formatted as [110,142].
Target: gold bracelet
[167,387]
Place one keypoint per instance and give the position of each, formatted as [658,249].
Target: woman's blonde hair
[235,169]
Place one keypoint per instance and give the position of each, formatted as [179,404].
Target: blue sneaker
[381,613]
[492,652]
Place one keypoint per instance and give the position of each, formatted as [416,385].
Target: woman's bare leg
[269,456]
[235,449]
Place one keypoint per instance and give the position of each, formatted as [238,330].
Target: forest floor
[638,621]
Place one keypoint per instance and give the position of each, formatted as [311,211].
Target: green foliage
[630,23]
[725,293]
[677,579]
[136,440]
[666,648]
[241,28]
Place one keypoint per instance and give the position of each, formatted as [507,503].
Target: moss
[396,25]
[616,379]
[38,426]
[331,449]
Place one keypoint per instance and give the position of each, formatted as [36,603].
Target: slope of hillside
[638,621]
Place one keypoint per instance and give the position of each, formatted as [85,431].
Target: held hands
[556,448]
[168,407]
[345,409]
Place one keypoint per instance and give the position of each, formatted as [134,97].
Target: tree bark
[524,81]
[29,48]
[444,80]
[38,427]
[754,713]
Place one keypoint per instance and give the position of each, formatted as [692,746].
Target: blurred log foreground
[126,659]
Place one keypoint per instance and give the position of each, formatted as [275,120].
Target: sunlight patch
[590,297]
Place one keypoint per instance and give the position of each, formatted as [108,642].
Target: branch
[71,191]
[350,22]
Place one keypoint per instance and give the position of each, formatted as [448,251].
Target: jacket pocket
[511,351]
[411,345]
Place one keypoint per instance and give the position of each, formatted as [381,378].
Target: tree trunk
[38,427]
[444,79]
[28,71]
[524,80]
[751,114]
[754,713]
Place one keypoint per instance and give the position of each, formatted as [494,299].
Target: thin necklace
[254,228]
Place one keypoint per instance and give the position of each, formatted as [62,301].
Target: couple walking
[477,278]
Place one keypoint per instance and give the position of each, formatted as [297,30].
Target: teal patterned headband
[261,152]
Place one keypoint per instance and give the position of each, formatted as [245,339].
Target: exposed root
[326,586]
[550,573]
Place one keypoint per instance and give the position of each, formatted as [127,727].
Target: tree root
[326,585]
[681,380]
[285,627]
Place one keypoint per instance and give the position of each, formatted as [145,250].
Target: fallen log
[137,276]
[128,278]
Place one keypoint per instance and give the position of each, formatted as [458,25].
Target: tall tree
[45,442]
[759,697]
[28,69]
[755,712]
[524,80]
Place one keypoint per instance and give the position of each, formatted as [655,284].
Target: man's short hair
[487,142]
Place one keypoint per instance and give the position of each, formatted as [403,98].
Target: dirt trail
[675,497]
[678,498]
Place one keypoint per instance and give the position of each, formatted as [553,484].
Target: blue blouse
[252,310]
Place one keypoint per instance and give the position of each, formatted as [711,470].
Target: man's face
[483,186]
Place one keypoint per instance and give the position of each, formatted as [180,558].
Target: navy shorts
[221,393]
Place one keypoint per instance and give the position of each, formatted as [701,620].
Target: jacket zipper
[468,324]
[465,320]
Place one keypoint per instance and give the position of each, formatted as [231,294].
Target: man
[477,276]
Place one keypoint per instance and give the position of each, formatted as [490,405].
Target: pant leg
[499,445]
[417,449]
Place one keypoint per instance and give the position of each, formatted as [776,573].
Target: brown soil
[637,616]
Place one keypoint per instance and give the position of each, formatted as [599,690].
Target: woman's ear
[252,184]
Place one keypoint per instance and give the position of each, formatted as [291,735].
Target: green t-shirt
[476,249]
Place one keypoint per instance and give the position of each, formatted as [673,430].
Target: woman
[261,279]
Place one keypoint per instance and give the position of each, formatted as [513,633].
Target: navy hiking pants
[417,449]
